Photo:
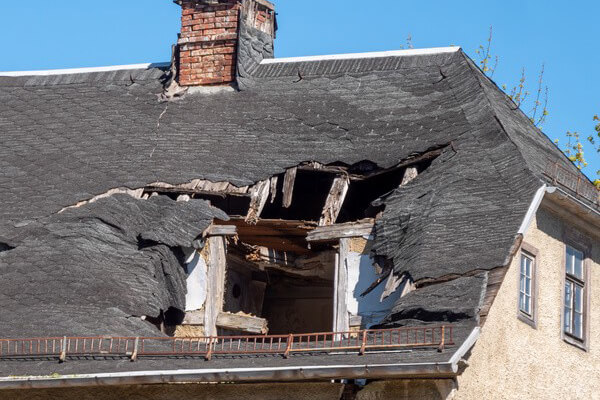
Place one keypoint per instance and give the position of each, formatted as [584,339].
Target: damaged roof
[67,138]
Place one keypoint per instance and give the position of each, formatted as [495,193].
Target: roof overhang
[446,369]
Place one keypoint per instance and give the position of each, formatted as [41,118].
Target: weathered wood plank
[288,186]
[273,182]
[336,231]
[225,320]
[258,198]
[335,200]
[220,230]
[341,320]
[216,283]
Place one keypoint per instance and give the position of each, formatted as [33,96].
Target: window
[526,305]
[526,285]
[575,290]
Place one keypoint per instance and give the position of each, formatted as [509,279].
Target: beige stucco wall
[408,389]
[511,359]
[281,391]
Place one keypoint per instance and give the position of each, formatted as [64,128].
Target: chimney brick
[209,37]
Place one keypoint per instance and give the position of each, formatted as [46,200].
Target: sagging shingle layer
[94,270]
[67,138]
[448,302]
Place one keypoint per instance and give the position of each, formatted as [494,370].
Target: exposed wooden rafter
[288,186]
[335,200]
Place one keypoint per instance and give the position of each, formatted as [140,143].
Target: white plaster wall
[512,360]
[361,274]
[195,281]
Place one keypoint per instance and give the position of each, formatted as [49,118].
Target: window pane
[527,267]
[567,310]
[521,301]
[578,302]
[567,319]
[570,260]
[578,267]
[578,325]
[528,286]
[568,294]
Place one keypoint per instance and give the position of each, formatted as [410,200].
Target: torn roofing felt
[94,270]
[67,138]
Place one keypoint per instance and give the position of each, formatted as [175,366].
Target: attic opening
[296,242]
[282,287]
[313,192]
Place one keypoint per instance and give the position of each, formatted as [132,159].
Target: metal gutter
[280,374]
[533,207]
[564,194]
[464,348]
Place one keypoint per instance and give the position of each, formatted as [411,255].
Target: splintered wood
[288,186]
[258,198]
[335,200]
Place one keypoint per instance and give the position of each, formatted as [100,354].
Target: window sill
[527,319]
[575,342]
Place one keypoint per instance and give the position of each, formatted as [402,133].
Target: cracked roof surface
[68,138]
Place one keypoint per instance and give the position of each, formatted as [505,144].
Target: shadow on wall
[369,307]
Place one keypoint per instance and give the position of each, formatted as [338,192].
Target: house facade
[358,226]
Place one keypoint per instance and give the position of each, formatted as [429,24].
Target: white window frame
[530,253]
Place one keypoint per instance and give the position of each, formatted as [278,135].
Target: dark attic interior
[275,266]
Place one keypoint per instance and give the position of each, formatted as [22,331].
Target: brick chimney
[212,32]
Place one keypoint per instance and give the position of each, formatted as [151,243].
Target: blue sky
[41,34]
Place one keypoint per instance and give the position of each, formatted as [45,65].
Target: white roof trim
[71,71]
[353,56]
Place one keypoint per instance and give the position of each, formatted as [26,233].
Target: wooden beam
[335,200]
[216,283]
[337,231]
[341,319]
[220,230]
[271,227]
[243,323]
[258,198]
[225,320]
[288,186]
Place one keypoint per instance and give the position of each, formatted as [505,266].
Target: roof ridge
[85,70]
[374,54]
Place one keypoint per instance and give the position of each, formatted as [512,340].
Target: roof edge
[73,71]
[280,374]
[354,56]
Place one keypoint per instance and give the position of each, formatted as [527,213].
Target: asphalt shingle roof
[67,138]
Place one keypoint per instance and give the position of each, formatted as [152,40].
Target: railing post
[63,350]
[134,354]
[210,349]
[363,345]
[443,340]
[288,348]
